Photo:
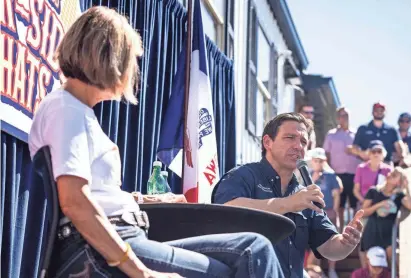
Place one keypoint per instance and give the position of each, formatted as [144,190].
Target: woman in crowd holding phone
[103,231]
[381,205]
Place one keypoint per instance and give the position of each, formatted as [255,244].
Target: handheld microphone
[303,168]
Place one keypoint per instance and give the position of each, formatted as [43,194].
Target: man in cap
[404,123]
[377,266]
[377,130]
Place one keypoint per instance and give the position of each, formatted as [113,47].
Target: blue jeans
[241,255]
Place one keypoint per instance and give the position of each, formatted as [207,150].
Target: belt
[139,219]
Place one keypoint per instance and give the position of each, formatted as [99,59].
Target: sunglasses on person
[405,121]
[376,151]
[308,112]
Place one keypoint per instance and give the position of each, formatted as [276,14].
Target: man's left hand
[353,231]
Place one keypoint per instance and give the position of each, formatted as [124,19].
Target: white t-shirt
[79,147]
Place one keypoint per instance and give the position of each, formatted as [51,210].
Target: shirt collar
[371,125]
[272,175]
[408,132]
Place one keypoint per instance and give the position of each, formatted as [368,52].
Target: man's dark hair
[304,104]
[271,128]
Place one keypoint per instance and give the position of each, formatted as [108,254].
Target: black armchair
[43,167]
[167,221]
[175,221]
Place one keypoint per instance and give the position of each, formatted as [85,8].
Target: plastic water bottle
[156,183]
[165,176]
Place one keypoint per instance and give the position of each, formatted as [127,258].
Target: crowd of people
[364,170]
[103,232]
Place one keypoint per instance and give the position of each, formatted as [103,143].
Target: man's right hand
[304,199]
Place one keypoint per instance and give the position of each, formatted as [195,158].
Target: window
[218,28]
[261,101]
[213,22]
[229,29]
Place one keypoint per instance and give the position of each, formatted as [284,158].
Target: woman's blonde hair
[101,49]
[398,171]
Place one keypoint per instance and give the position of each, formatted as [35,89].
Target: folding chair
[43,167]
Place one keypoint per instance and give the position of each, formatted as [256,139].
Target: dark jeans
[224,255]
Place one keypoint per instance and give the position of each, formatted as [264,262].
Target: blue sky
[365,46]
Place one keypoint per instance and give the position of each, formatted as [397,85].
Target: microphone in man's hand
[303,168]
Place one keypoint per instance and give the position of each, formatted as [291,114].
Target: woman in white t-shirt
[102,232]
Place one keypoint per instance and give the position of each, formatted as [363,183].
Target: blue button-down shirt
[387,134]
[260,181]
[407,139]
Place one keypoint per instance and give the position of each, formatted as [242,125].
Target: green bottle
[165,176]
[156,183]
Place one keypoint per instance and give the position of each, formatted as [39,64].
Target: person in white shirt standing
[103,232]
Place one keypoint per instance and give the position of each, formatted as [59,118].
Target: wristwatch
[140,199]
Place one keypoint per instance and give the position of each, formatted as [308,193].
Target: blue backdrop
[134,128]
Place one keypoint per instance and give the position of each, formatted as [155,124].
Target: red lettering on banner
[210,172]
[29,66]
[211,166]
[51,18]
[20,78]
[33,36]
[33,70]
[7,65]
[43,80]
[7,16]
[22,7]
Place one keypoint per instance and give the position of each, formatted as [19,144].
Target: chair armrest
[176,221]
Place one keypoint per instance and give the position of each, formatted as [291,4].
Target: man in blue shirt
[404,124]
[377,130]
[271,185]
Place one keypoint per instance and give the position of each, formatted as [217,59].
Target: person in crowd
[376,265]
[372,172]
[342,161]
[377,129]
[314,271]
[271,185]
[381,205]
[308,111]
[103,231]
[331,189]
[404,124]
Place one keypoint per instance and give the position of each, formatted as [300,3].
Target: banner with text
[30,33]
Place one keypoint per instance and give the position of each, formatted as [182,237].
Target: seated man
[377,266]
[271,185]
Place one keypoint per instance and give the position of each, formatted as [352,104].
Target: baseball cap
[405,115]
[377,257]
[318,153]
[378,105]
[376,144]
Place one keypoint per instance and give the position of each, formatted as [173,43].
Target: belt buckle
[64,232]
[142,219]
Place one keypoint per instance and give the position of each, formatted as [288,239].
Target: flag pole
[187,84]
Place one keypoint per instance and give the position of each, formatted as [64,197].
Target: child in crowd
[331,189]
[376,265]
